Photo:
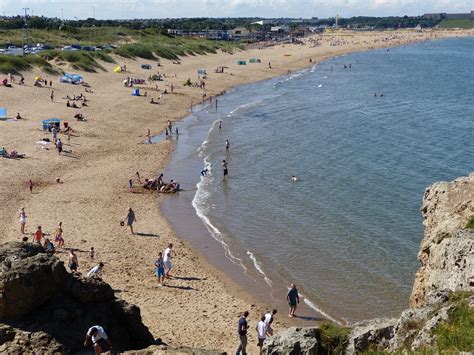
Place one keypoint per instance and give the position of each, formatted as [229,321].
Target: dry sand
[201,308]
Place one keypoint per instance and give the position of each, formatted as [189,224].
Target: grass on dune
[470,224]
[148,44]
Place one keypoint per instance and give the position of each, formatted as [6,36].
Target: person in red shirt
[38,236]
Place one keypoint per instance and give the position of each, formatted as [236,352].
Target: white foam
[311,305]
[247,105]
[258,266]
[201,207]
[320,85]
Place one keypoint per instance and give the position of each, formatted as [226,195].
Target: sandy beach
[199,307]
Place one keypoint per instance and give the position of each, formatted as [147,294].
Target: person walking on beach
[54,134]
[130,185]
[130,219]
[242,331]
[38,236]
[167,260]
[52,96]
[225,169]
[293,299]
[30,185]
[22,220]
[58,235]
[160,269]
[268,321]
[59,146]
[261,333]
[73,263]
[98,338]
[220,125]
[227,146]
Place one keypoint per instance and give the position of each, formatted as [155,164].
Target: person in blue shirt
[242,331]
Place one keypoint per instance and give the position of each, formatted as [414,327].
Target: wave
[311,305]
[247,105]
[258,266]
[314,307]
[199,204]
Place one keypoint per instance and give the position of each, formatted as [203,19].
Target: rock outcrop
[446,254]
[294,341]
[54,309]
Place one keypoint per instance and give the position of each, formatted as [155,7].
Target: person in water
[294,178]
[204,172]
[225,169]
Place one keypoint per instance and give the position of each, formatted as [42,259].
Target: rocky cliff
[446,254]
[44,308]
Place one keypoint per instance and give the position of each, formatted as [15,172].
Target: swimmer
[204,172]
[294,178]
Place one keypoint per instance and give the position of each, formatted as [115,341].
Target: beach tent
[3,152]
[118,69]
[201,72]
[136,92]
[3,112]
[71,79]
[241,62]
[146,66]
[50,122]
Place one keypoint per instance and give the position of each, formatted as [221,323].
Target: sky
[123,9]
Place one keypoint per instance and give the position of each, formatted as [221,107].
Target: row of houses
[443,16]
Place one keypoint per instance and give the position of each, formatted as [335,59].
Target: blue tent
[136,92]
[71,79]
[49,122]
[3,112]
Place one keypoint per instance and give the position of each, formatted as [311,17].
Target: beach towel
[146,66]
[3,112]
[3,152]
[241,62]
[136,92]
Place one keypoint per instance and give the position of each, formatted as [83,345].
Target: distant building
[443,15]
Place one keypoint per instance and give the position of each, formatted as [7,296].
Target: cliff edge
[446,253]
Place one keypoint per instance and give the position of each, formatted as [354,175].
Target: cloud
[224,8]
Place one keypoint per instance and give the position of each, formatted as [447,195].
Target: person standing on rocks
[242,331]
[73,263]
[96,270]
[99,339]
[293,299]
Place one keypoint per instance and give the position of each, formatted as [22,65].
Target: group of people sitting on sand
[42,83]
[12,155]
[129,82]
[159,185]
[10,79]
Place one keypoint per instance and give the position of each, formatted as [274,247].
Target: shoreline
[105,154]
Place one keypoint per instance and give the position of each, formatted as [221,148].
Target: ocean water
[348,231]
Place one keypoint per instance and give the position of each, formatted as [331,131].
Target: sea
[365,134]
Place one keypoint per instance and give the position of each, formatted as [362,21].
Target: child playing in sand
[160,269]
[92,253]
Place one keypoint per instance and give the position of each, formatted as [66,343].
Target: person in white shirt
[261,333]
[268,321]
[99,339]
[167,260]
[96,270]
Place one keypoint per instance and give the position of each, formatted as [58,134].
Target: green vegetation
[146,44]
[13,64]
[334,338]
[470,224]
[458,333]
[466,23]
